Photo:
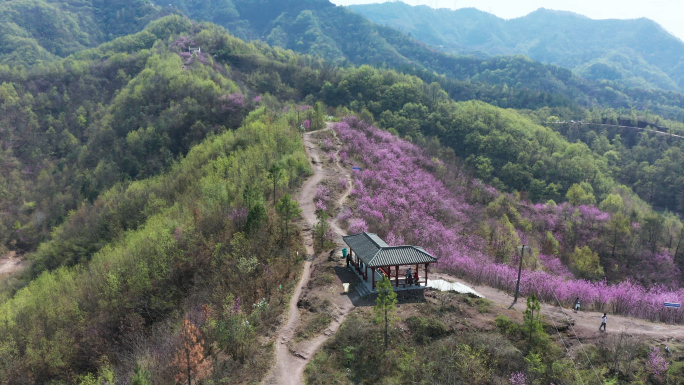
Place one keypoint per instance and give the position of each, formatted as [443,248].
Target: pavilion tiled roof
[374,252]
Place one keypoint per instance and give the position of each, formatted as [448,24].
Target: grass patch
[483,304]
[424,329]
[323,280]
[314,324]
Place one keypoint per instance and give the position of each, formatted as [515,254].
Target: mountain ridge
[554,37]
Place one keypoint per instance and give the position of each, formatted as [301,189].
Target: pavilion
[368,251]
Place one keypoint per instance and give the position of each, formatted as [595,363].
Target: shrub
[424,329]
[507,326]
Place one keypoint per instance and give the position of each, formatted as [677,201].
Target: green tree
[288,209]
[251,195]
[385,306]
[141,377]
[256,217]
[275,174]
[321,230]
[612,204]
[532,323]
[105,376]
[577,195]
[618,226]
[586,263]
[503,239]
[550,245]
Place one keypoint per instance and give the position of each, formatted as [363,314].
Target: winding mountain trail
[290,365]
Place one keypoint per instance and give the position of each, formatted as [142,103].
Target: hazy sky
[668,13]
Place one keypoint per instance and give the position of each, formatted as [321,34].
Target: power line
[670,134]
[573,330]
[578,340]
[574,364]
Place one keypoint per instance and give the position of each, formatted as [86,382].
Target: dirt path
[290,365]
[10,263]
[586,322]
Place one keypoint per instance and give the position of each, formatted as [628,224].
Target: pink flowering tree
[656,364]
[518,379]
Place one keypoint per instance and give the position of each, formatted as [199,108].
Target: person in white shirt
[603,322]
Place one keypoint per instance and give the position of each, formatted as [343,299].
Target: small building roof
[374,252]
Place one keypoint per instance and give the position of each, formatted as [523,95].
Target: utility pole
[517,285]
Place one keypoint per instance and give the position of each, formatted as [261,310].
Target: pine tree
[385,308]
[288,209]
[141,377]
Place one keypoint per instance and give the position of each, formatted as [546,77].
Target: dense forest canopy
[33,31]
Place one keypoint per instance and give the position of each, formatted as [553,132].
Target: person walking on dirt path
[603,322]
[577,305]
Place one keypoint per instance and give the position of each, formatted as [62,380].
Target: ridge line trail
[289,366]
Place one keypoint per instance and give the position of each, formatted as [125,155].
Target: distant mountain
[342,37]
[33,31]
[632,52]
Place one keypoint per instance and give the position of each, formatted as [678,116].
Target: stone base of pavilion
[367,285]
[435,284]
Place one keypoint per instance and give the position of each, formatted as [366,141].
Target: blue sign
[356,168]
[670,304]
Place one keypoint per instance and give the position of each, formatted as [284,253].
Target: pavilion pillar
[417,283]
[365,273]
[396,277]
[426,273]
[373,278]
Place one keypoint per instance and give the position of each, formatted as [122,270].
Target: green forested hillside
[186,234]
[166,208]
[634,53]
[33,31]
